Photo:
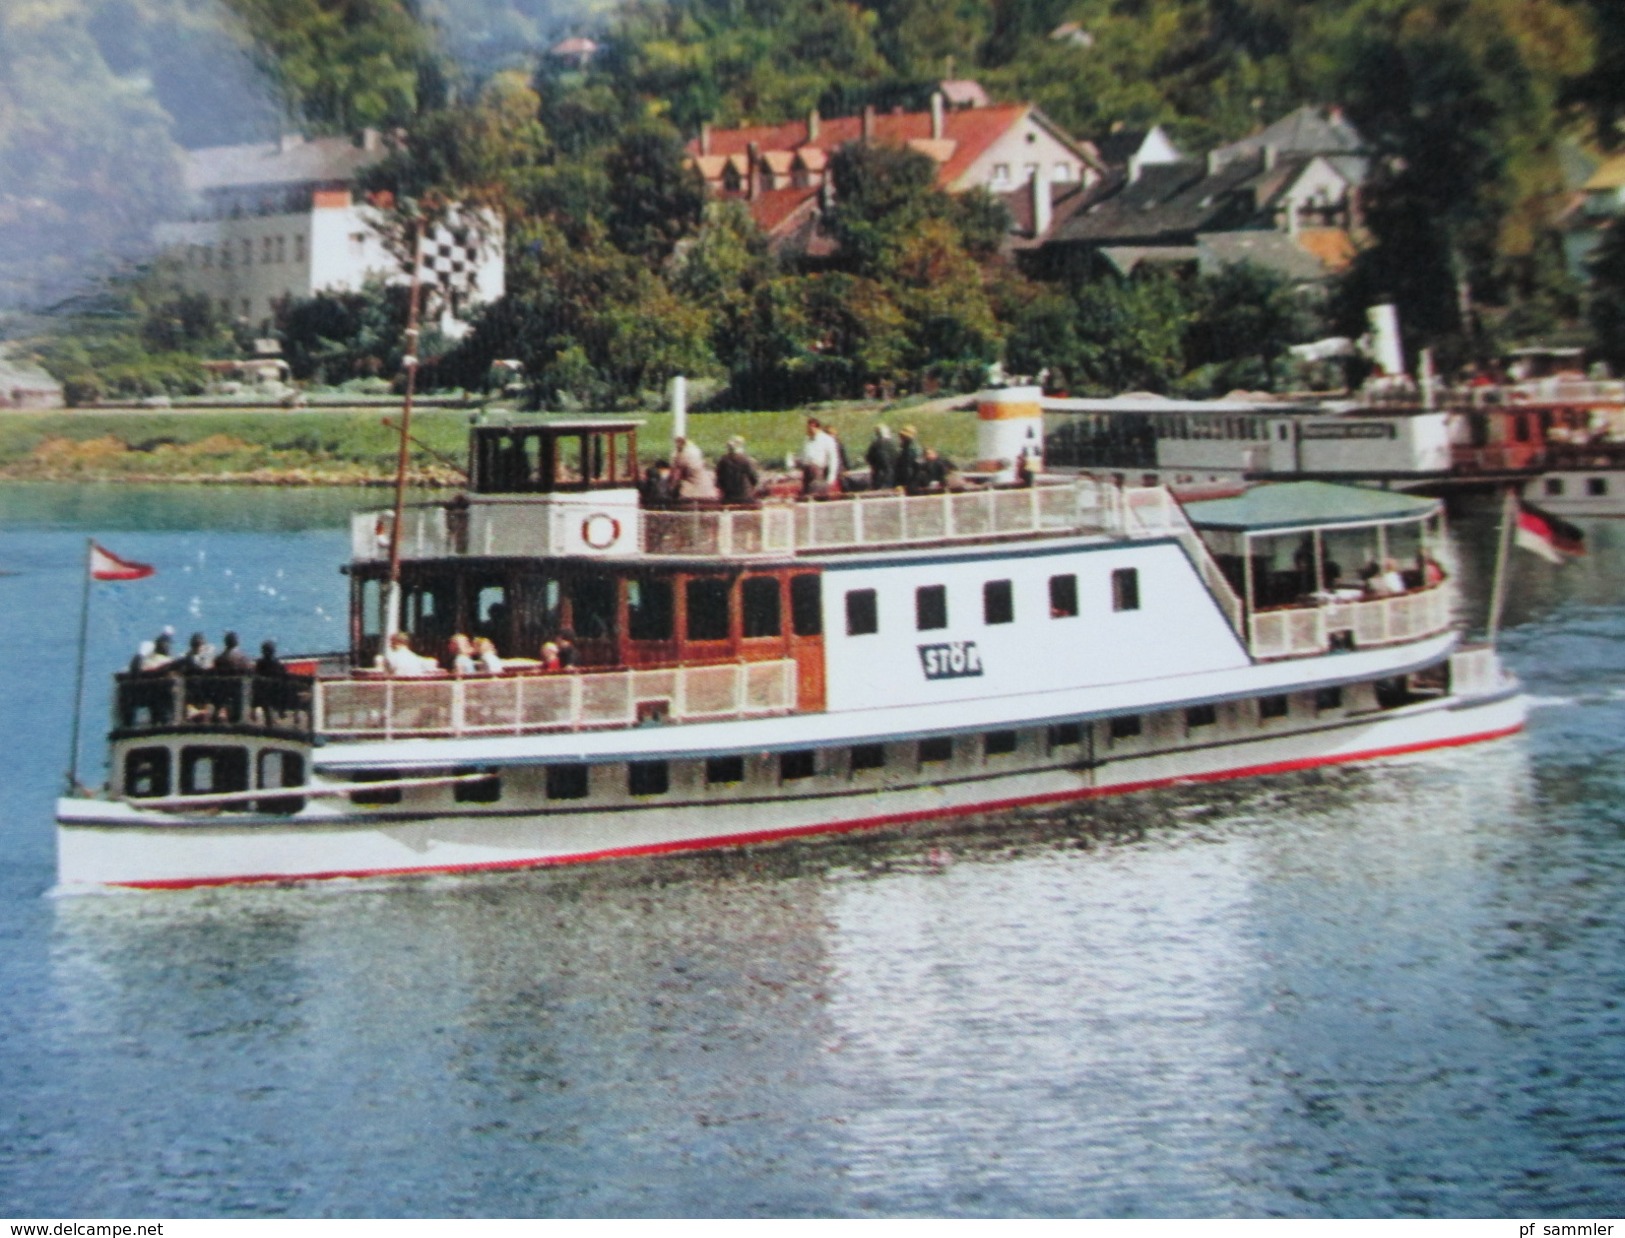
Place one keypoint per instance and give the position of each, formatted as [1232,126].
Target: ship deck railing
[779,528]
[1319,626]
[450,707]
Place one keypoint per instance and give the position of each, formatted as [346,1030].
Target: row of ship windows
[998,602]
[1596,487]
[652,778]
[272,249]
[208,769]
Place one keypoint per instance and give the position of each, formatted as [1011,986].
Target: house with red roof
[781,171]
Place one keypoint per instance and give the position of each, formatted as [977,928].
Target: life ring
[600,531]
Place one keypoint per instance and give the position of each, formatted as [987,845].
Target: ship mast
[392,597]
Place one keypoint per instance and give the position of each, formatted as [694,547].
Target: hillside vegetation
[620,275]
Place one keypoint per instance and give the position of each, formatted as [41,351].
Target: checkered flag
[449,260]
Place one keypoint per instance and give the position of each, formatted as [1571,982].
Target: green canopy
[1306,504]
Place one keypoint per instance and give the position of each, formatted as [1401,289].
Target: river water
[1383,991]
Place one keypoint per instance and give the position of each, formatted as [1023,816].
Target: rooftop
[1306,504]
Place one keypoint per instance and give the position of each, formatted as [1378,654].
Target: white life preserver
[600,531]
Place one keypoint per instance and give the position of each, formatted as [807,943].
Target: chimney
[1213,163]
[936,115]
[1042,211]
[1271,154]
[1134,166]
[287,141]
[812,126]
[753,156]
[868,122]
[705,137]
[371,139]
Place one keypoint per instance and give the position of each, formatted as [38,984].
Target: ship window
[708,609]
[720,770]
[385,795]
[647,778]
[800,764]
[806,606]
[1063,597]
[146,773]
[1125,726]
[280,768]
[998,602]
[1126,589]
[1554,485]
[998,743]
[592,608]
[1065,734]
[940,748]
[862,613]
[759,606]
[868,756]
[566,782]
[1328,698]
[1272,707]
[649,609]
[488,790]
[1596,487]
[1201,715]
[212,770]
[931,607]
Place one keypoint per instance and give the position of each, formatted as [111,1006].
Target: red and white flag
[105,565]
[1546,535]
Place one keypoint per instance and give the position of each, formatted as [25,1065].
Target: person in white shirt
[399,660]
[485,655]
[820,459]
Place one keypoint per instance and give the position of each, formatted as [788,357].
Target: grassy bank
[355,447]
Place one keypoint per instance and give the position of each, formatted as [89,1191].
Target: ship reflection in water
[1358,991]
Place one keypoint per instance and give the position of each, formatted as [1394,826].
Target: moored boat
[794,666]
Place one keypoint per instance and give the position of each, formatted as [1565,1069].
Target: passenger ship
[801,666]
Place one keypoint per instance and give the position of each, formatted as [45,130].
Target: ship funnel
[1385,347]
[1010,425]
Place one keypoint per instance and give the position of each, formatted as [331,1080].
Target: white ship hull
[109,844]
[1579,492]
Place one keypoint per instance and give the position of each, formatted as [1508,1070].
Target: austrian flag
[105,565]
[1547,536]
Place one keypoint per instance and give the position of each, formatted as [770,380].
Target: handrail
[394,708]
[1304,631]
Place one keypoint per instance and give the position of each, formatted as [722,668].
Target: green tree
[1242,321]
[656,196]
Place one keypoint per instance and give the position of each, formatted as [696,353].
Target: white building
[276,221]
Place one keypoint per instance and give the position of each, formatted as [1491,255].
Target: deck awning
[1283,506]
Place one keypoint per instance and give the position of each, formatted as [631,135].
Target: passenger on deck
[269,666]
[159,657]
[1432,572]
[820,459]
[882,460]
[232,659]
[908,457]
[485,656]
[550,656]
[461,652]
[399,659]
[932,473]
[657,488]
[693,478]
[567,648]
[199,656]
[737,475]
[1386,581]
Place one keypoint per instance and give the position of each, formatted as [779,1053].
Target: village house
[272,222]
[782,171]
[1286,198]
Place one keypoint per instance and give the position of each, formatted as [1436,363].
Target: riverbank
[357,446]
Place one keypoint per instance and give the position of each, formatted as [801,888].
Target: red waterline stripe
[836,827]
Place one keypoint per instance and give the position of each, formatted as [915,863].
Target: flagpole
[79,674]
[1498,583]
[392,604]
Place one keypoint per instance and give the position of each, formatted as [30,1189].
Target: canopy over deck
[1284,506]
